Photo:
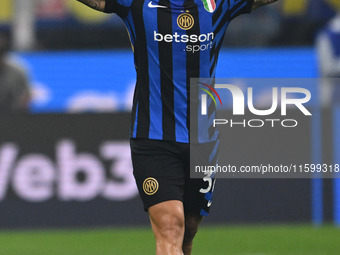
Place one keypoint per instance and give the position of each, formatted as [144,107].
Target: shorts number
[211,184]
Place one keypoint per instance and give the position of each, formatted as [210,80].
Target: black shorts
[162,173]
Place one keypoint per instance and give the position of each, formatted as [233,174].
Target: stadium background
[66,165]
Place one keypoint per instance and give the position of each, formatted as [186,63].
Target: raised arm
[98,5]
[260,3]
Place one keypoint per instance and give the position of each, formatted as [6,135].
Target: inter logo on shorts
[185,21]
[150,186]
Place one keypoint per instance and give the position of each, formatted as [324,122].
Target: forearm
[98,5]
[260,3]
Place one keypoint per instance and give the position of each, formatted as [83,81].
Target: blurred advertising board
[103,81]
[66,170]
[69,170]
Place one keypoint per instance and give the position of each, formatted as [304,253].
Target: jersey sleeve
[120,7]
[238,7]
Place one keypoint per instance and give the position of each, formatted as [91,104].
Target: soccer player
[14,84]
[173,41]
[328,46]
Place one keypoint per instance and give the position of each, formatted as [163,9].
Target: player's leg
[192,222]
[198,192]
[160,178]
[197,202]
[167,221]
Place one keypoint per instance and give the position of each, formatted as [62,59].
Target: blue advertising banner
[102,81]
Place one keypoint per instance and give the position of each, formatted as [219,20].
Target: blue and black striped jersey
[173,41]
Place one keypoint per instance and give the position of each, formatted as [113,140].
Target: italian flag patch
[209,5]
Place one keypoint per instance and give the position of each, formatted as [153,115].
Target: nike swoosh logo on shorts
[209,204]
[150,5]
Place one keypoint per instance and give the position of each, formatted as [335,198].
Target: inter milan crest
[185,21]
[209,5]
[150,186]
